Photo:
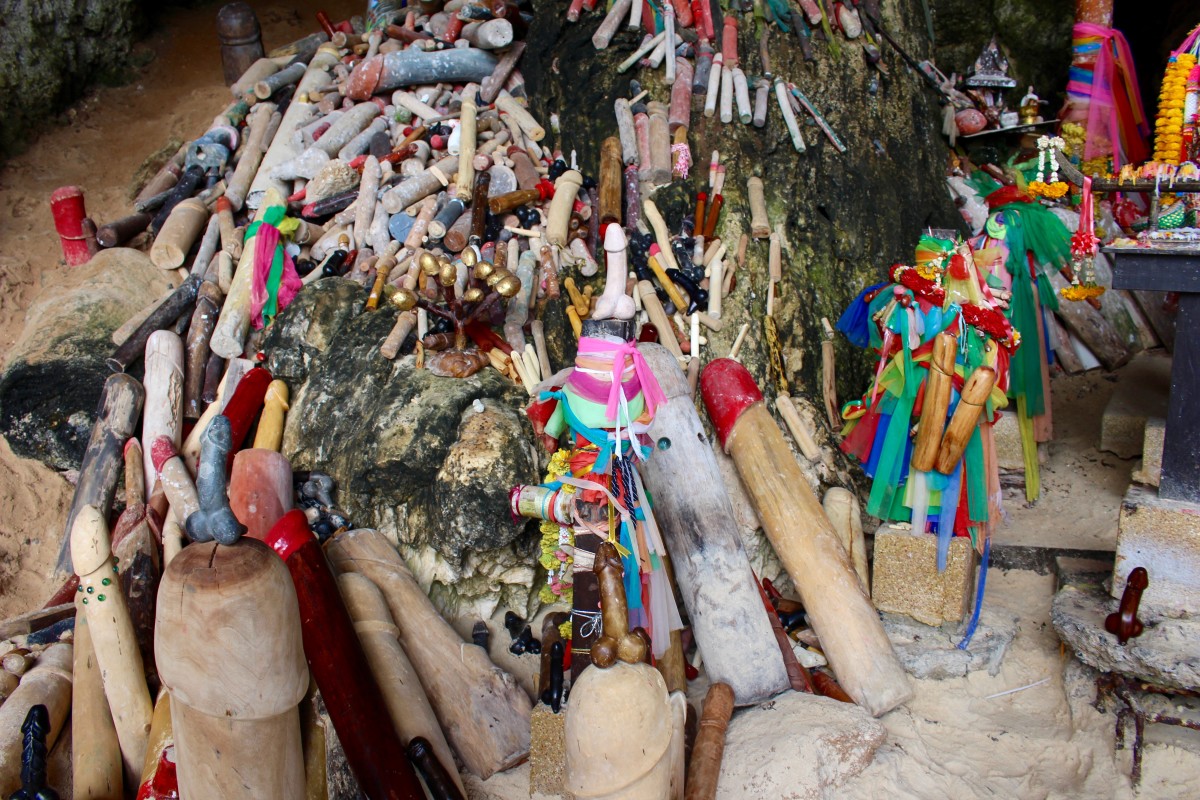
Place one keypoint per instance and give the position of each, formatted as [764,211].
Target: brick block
[906,579]
[1164,537]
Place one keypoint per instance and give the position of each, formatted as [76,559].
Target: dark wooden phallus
[1124,622]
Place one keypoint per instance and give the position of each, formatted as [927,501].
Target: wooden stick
[164,394]
[659,318]
[937,401]
[841,506]
[104,459]
[559,215]
[966,415]
[760,224]
[402,692]
[829,378]
[462,684]
[229,337]
[238,725]
[797,427]
[539,342]
[269,435]
[737,343]
[48,684]
[705,769]
[840,613]
[95,753]
[178,234]
[158,777]
[697,522]
[113,636]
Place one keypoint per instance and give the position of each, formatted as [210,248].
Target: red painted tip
[728,389]
[132,441]
[162,451]
[365,77]
[66,193]
[289,534]
[655,250]
[224,205]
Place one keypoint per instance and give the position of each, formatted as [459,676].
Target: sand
[951,741]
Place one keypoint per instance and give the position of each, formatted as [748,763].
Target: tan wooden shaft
[841,506]
[364,212]
[405,322]
[269,435]
[966,416]
[611,182]
[184,224]
[262,757]
[671,665]
[840,613]
[507,105]
[936,402]
[659,318]
[163,415]
[559,215]
[259,122]
[468,132]
[229,337]
[48,684]
[760,223]
[799,429]
[705,769]
[162,735]
[228,648]
[829,384]
[462,684]
[113,636]
[95,753]
[406,700]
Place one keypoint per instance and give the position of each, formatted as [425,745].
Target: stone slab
[797,747]
[1007,437]
[1149,471]
[1164,537]
[933,654]
[1141,393]
[906,579]
[1166,654]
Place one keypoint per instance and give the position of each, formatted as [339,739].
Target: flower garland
[1169,122]
[992,322]
[1055,188]
[558,542]
[924,288]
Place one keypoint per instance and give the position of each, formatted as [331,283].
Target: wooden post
[104,459]
[178,233]
[402,692]
[841,614]
[936,402]
[559,214]
[95,753]
[112,636]
[227,641]
[705,769]
[841,506]
[48,684]
[697,523]
[462,684]
[164,395]
[229,337]
[966,415]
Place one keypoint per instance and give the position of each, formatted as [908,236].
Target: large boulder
[797,747]
[55,372]
[428,461]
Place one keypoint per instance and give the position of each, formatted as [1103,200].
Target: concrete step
[1141,393]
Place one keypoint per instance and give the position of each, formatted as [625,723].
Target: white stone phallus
[614,303]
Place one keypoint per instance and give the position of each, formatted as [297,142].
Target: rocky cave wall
[1036,35]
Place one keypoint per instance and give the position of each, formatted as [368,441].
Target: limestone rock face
[797,747]
[55,372]
[428,461]
[50,50]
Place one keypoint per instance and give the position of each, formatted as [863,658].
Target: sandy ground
[951,741]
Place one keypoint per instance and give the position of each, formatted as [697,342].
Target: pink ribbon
[619,352]
[266,239]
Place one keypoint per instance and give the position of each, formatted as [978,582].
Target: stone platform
[1164,537]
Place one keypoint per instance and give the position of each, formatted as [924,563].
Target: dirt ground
[951,741]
